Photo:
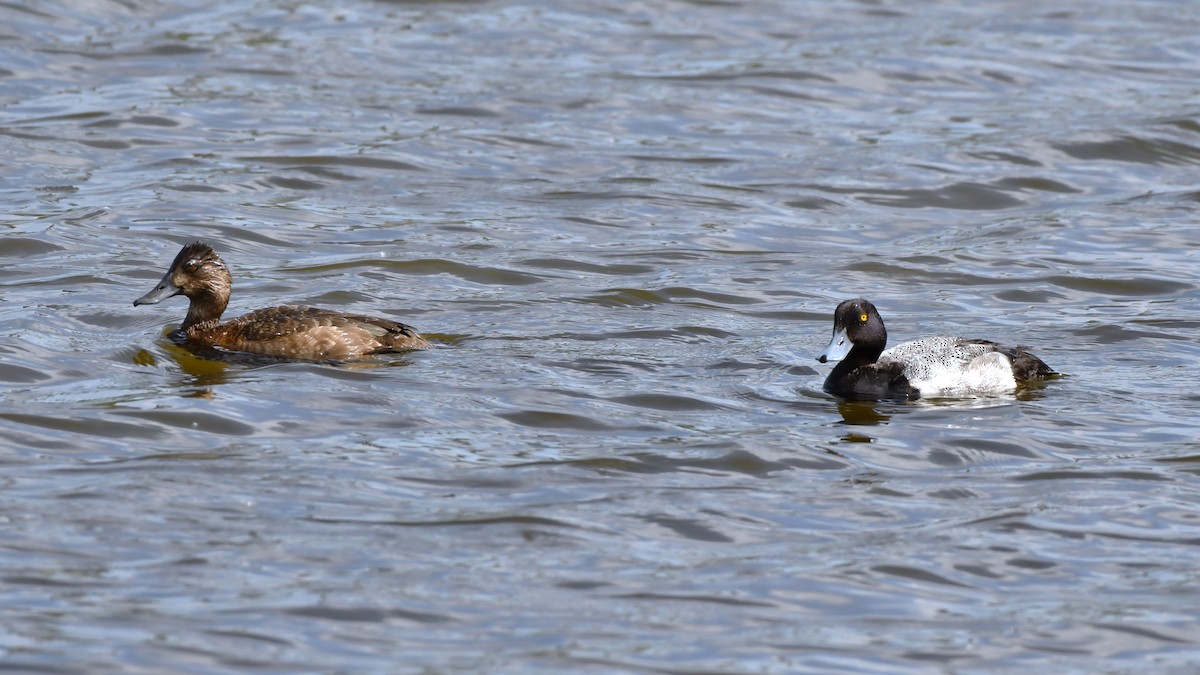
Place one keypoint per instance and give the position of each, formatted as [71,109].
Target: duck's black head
[858,332]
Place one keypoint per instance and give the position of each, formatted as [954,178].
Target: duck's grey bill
[838,347]
[165,289]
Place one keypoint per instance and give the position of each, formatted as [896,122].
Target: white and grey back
[953,366]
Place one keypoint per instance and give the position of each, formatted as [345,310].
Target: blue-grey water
[626,226]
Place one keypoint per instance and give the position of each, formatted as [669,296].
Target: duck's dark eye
[191,266]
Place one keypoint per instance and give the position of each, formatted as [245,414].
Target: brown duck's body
[286,331]
[307,333]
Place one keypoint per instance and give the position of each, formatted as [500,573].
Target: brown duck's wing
[393,335]
[312,333]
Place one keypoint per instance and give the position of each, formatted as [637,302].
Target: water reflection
[863,413]
[207,368]
[205,371]
[870,413]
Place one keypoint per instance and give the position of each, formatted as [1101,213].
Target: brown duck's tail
[397,337]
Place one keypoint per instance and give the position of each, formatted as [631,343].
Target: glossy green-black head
[857,328]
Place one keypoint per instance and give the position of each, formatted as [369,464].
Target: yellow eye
[862,318]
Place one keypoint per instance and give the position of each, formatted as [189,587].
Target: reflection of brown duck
[287,331]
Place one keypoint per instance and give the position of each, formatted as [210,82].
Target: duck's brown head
[199,274]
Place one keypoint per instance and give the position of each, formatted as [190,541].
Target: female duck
[929,367]
[287,331]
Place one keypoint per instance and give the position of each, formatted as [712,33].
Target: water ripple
[626,226]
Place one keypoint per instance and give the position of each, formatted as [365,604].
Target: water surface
[626,227]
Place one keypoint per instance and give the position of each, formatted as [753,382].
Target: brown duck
[287,331]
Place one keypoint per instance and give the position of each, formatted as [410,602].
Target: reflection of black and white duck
[287,331]
[929,367]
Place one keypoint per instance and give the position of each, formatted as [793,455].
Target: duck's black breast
[309,333]
[872,382]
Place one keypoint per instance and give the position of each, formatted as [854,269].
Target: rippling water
[626,226]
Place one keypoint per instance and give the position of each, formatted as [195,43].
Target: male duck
[928,367]
[286,331]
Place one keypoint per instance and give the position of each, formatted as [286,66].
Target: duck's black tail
[1028,367]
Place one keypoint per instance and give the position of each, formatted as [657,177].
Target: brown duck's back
[309,333]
